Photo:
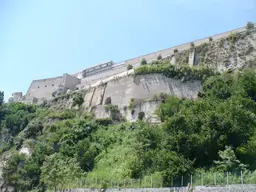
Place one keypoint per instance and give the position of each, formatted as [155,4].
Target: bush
[1,97]
[104,121]
[221,42]
[78,99]
[177,72]
[210,38]
[66,114]
[159,57]
[108,101]
[131,104]
[143,62]
[113,110]
[175,51]
[111,107]
[163,96]
[233,37]
[250,25]
[192,44]
[129,67]
[141,115]
[33,129]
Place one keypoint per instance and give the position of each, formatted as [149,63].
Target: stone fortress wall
[43,89]
[121,67]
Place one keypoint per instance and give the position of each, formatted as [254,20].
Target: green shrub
[78,99]
[113,110]
[131,104]
[143,62]
[233,37]
[250,25]
[1,97]
[111,107]
[221,42]
[192,44]
[159,57]
[129,67]
[33,129]
[163,96]
[65,114]
[104,121]
[54,94]
[210,39]
[175,50]
[155,62]
[108,101]
[141,115]
[174,71]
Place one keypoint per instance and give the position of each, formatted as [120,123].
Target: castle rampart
[44,88]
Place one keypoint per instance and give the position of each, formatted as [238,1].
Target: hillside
[60,143]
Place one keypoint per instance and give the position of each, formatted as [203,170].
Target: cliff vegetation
[215,133]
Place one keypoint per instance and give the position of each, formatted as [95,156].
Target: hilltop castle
[47,89]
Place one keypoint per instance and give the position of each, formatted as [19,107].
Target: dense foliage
[216,132]
[183,72]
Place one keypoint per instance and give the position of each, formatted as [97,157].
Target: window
[52,84]
[38,87]
[45,86]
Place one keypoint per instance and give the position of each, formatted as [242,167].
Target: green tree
[250,25]
[129,67]
[85,154]
[159,57]
[58,170]
[1,97]
[78,99]
[33,129]
[13,172]
[228,160]
[143,62]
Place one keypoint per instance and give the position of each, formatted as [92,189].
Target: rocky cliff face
[235,51]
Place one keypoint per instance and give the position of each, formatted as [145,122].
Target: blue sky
[46,38]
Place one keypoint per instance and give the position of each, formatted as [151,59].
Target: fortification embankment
[44,88]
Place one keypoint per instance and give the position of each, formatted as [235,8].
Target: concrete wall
[144,87]
[44,88]
[70,81]
[17,96]
[228,188]
[98,95]
[147,107]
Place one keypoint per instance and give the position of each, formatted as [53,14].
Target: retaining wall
[228,188]
[44,88]
[120,67]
